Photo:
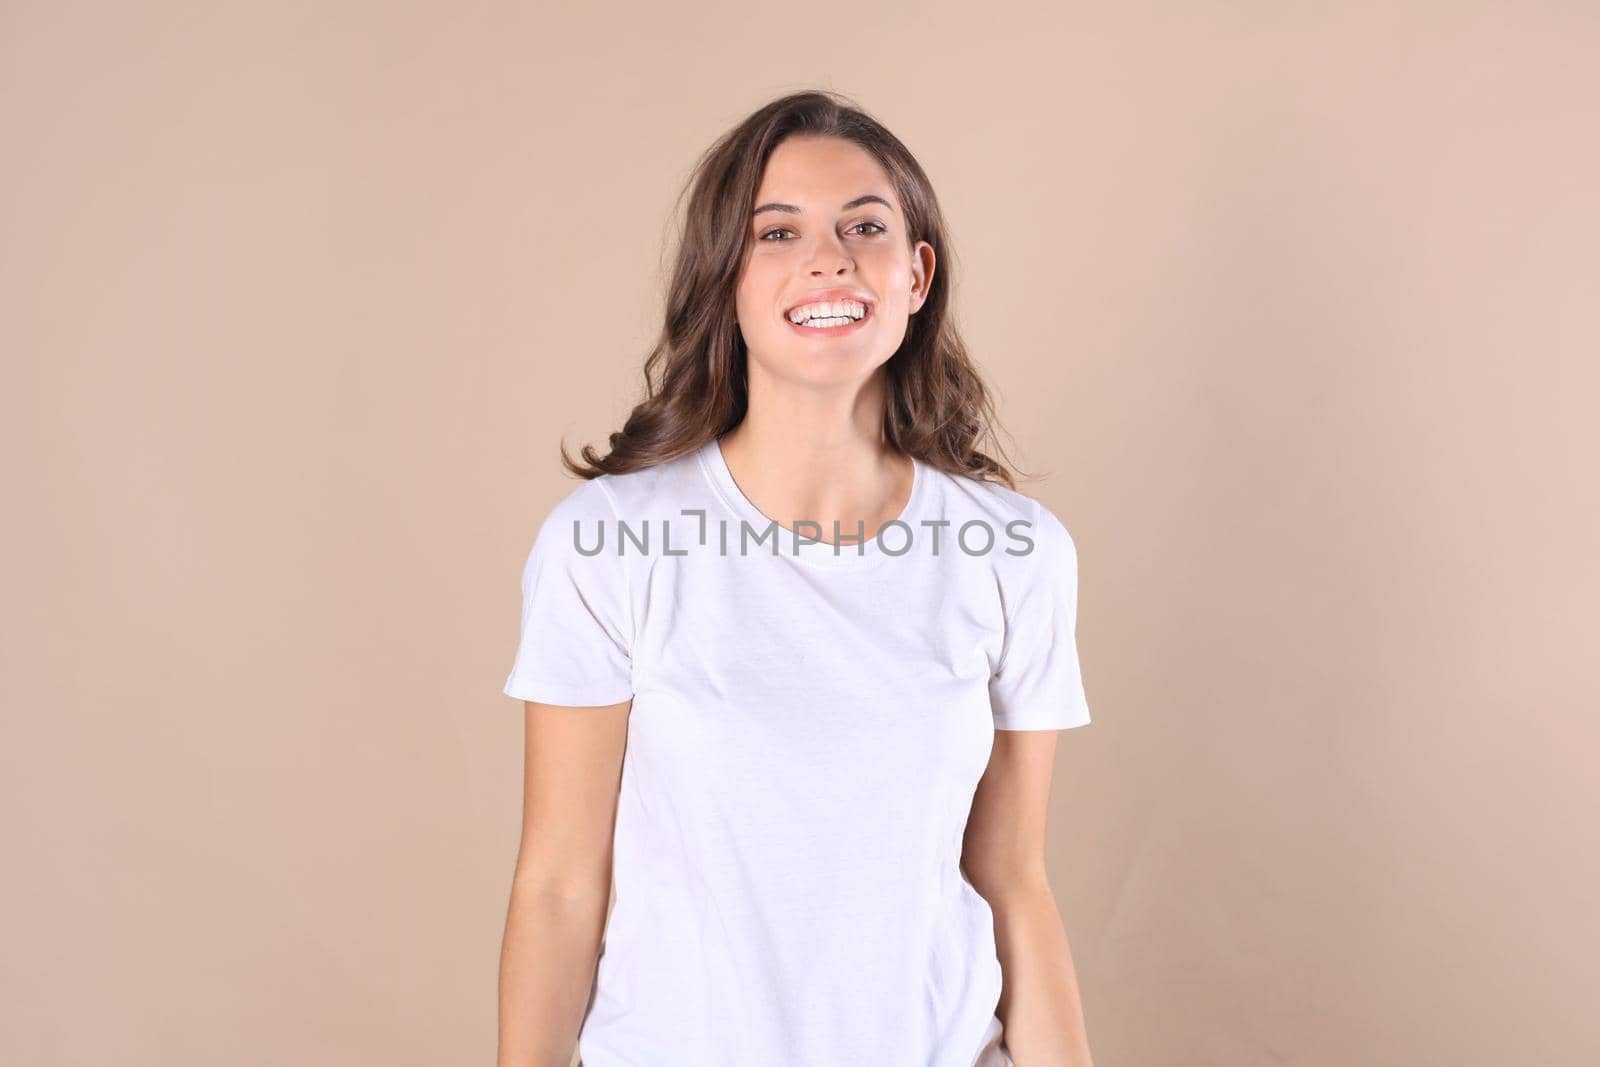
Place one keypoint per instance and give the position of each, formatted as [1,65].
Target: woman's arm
[1004,856]
[561,891]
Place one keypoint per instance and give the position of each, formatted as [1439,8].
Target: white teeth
[848,310]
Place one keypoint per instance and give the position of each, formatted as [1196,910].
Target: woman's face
[826,218]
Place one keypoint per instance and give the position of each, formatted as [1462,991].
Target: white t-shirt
[806,735]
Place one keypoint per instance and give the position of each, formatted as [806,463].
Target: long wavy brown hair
[937,408]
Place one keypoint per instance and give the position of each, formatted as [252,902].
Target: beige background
[1295,304]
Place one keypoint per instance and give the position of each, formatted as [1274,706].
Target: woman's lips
[831,331]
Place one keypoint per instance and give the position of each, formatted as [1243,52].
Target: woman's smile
[833,312]
[840,326]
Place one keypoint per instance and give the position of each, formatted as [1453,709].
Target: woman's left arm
[1003,854]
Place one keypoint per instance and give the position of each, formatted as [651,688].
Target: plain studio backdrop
[1293,306]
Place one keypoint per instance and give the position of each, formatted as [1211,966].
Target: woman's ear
[922,268]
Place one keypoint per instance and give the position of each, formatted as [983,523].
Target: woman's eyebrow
[870,198]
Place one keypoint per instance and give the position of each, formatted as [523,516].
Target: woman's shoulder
[659,488]
[979,497]
[1014,514]
[667,484]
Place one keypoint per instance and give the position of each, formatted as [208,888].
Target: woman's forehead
[822,174]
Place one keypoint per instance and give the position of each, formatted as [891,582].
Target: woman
[792,656]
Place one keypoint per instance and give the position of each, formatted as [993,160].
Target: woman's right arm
[561,890]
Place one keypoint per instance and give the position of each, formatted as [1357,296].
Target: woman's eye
[769,235]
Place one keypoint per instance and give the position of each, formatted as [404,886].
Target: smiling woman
[794,268]
[817,776]
[774,208]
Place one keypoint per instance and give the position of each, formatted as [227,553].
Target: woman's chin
[830,367]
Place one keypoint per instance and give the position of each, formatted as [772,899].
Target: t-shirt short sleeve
[1037,684]
[577,632]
